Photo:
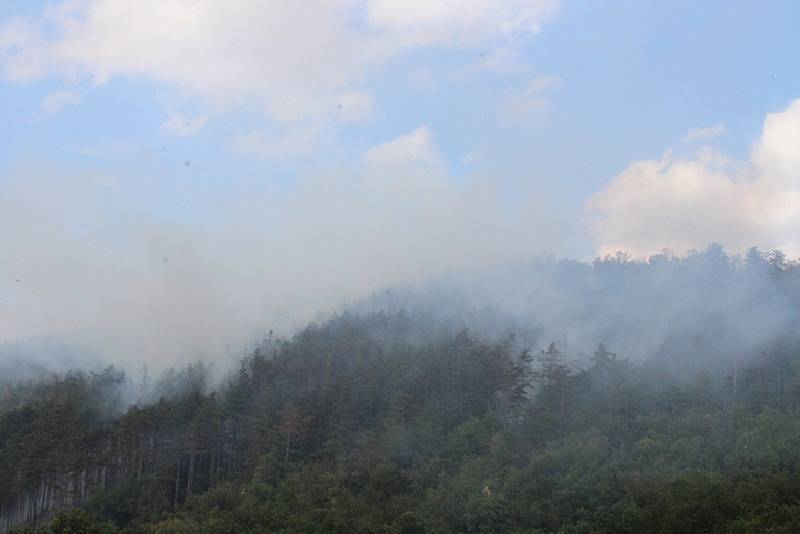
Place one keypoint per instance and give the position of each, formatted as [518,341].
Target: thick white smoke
[136,288]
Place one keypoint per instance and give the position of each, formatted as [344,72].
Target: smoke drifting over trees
[546,366]
[173,289]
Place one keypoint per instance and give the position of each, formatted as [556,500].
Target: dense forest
[432,413]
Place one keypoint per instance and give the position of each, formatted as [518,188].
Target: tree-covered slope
[397,422]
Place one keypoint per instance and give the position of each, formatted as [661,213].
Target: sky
[177,174]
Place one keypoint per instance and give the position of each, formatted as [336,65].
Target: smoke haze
[138,289]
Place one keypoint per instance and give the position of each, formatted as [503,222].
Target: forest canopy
[400,416]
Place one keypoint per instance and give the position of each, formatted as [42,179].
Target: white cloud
[777,153]
[461,23]
[703,134]
[527,105]
[415,148]
[688,203]
[55,101]
[182,126]
[299,61]
[23,51]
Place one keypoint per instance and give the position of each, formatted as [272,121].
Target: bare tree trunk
[141,459]
[191,476]
[177,483]
[211,469]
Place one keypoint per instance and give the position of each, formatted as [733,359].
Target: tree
[553,376]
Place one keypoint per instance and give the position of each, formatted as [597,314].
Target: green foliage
[78,522]
[340,430]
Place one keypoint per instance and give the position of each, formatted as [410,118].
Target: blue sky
[431,135]
[642,71]
[635,76]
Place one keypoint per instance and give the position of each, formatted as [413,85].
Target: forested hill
[400,421]
[664,307]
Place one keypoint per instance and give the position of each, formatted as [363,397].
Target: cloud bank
[686,203]
[297,61]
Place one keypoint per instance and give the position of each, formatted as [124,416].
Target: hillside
[393,421]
